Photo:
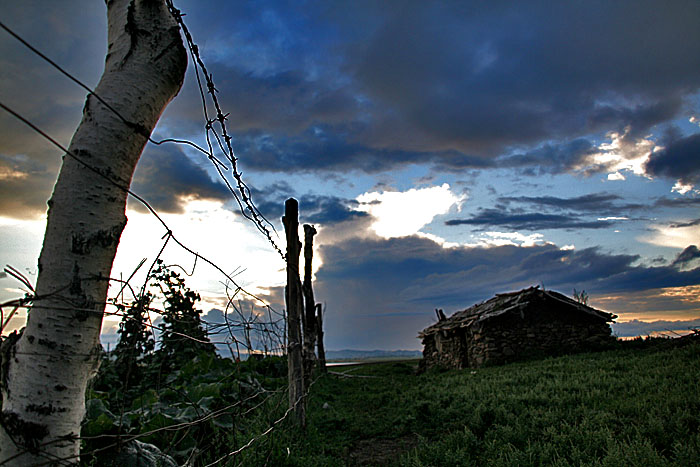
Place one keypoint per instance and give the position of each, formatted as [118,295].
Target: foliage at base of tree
[198,410]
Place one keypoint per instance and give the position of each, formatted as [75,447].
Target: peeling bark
[45,371]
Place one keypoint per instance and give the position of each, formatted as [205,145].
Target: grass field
[637,405]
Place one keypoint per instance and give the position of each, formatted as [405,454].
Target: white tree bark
[45,372]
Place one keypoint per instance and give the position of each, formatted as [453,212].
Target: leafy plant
[135,341]
[183,336]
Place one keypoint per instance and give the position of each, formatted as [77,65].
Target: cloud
[313,208]
[676,235]
[319,209]
[398,214]
[308,91]
[625,152]
[491,239]
[553,212]
[678,202]
[168,179]
[31,87]
[25,186]
[552,158]
[679,160]
[686,256]
[593,202]
[319,89]
[692,223]
[545,71]
[488,218]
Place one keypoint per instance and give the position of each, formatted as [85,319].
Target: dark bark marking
[75,285]
[7,354]
[105,238]
[131,29]
[27,434]
[47,343]
[45,409]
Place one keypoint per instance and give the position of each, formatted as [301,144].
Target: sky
[445,151]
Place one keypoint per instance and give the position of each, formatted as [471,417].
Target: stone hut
[512,326]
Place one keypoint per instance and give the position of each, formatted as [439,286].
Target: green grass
[620,407]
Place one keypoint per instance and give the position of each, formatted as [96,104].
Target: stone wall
[515,336]
[447,349]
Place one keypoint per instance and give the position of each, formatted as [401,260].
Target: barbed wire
[245,201]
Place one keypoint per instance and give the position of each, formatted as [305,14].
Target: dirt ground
[368,452]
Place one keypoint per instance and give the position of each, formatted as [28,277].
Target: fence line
[242,331]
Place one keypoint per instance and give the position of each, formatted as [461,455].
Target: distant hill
[348,354]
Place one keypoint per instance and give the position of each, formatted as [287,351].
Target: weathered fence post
[319,338]
[309,306]
[293,297]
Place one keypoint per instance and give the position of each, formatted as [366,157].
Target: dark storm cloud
[334,148]
[595,202]
[166,178]
[313,208]
[520,75]
[679,160]
[372,86]
[25,186]
[329,209]
[488,218]
[685,224]
[686,256]
[410,274]
[639,118]
[680,202]
[320,149]
[28,164]
[550,158]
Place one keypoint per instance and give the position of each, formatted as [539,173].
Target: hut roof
[512,302]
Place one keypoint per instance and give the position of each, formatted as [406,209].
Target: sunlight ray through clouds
[400,214]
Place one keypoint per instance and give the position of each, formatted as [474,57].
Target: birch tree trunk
[45,372]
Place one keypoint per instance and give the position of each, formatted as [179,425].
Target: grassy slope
[622,407]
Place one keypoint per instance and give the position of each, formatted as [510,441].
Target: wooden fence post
[319,337]
[293,297]
[309,307]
